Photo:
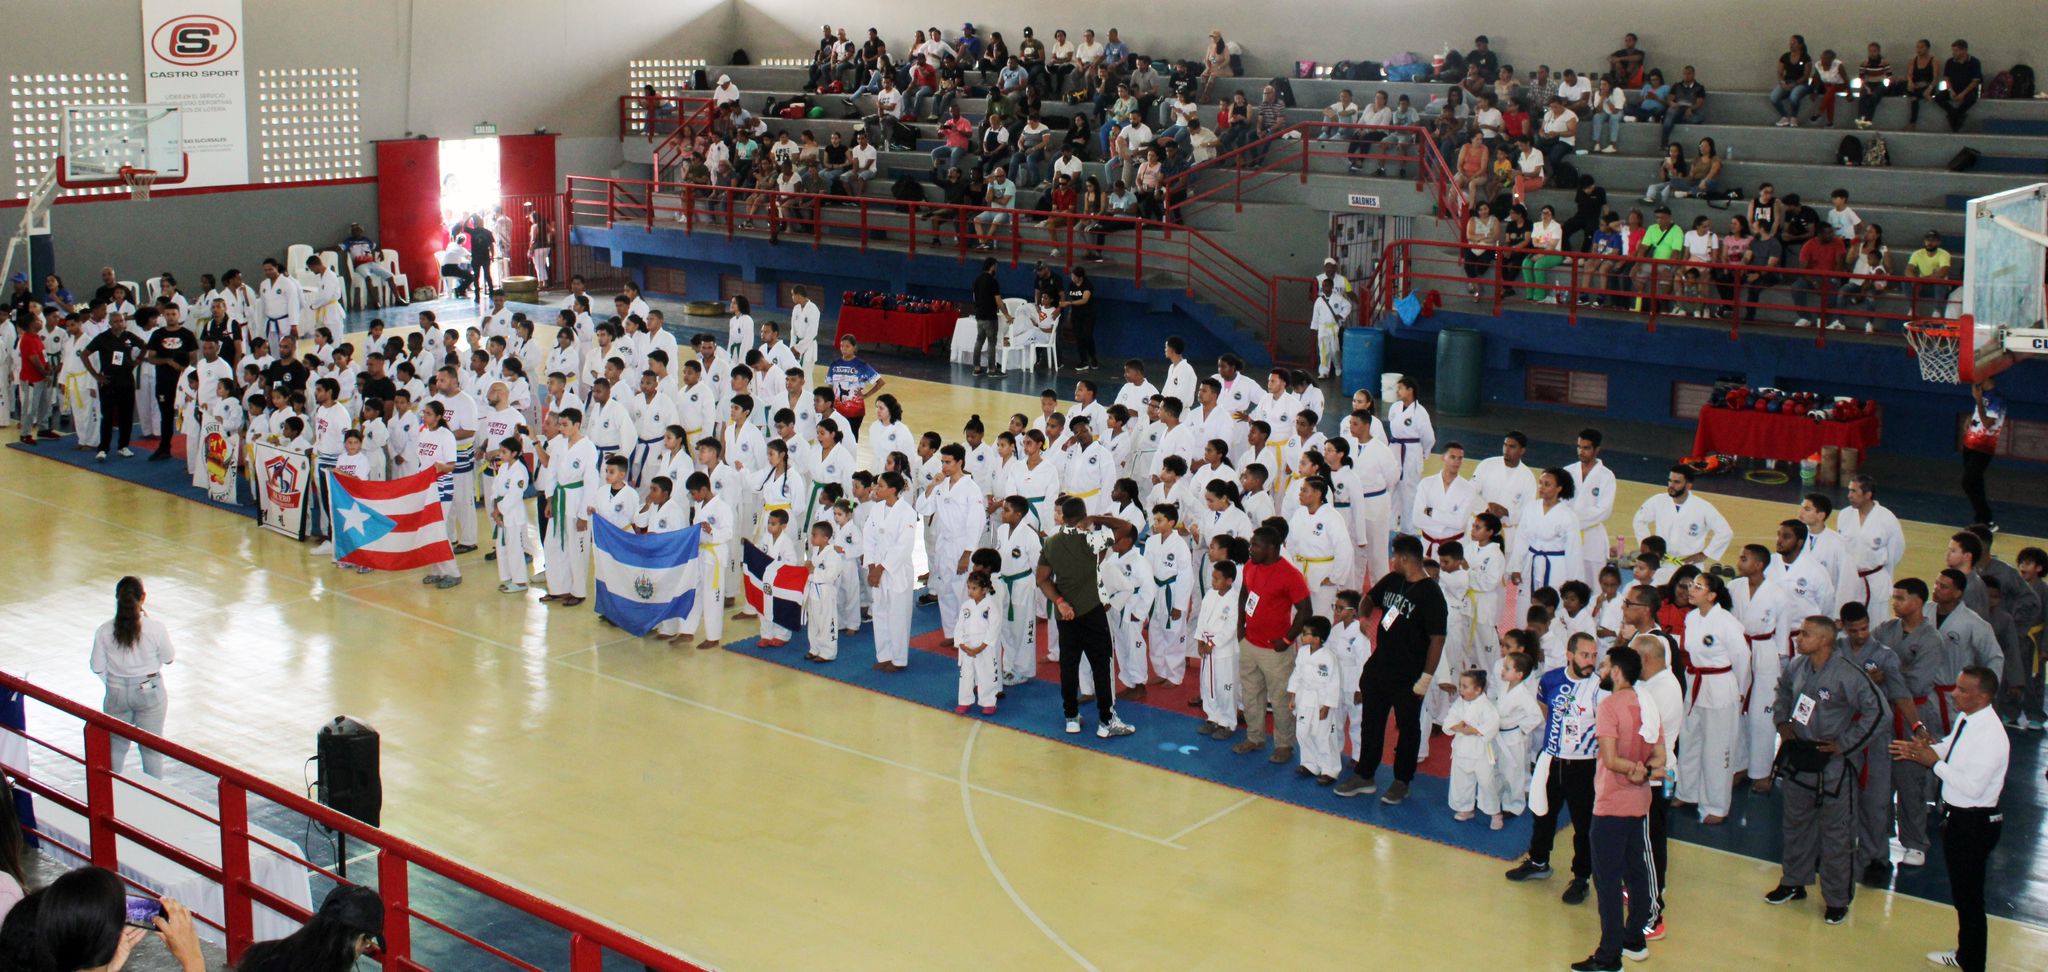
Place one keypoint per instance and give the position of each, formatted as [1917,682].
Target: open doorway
[469,188]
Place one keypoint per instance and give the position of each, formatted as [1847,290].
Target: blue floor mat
[168,476]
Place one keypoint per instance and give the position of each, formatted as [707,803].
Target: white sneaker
[1946,959]
[1913,858]
[1869,327]
[1803,322]
[1611,148]
[100,456]
[1073,727]
[1835,325]
[125,454]
[1114,727]
[325,547]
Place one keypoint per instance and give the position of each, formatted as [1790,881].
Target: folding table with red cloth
[1779,435]
[870,325]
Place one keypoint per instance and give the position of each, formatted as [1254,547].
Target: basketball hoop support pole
[32,215]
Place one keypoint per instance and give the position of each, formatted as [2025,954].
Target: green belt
[558,507]
[1036,516]
[812,505]
[1010,593]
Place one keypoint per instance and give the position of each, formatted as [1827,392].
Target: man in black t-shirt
[1965,81]
[377,383]
[288,371]
[170,350]
[1800,224]
[113,357]
[1079,302]
[1396,677]
[988,304]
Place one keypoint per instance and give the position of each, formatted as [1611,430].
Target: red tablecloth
[1763,435]
[921,331]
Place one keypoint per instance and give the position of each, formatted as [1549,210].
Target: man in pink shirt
[959,134]
[1621,809]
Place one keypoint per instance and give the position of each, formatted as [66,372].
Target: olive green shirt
[1072,559]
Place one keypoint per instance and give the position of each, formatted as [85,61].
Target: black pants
[1084,339]
[1386,694]
[853,422]
[1967,839]
[1974,464]
[486,279]
[464,279]
[1620,864]
[167,416]
[1955,108]
[117,413]
[1659,809]
[1087,636]
[1570,786]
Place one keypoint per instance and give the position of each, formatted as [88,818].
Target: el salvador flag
[644,579]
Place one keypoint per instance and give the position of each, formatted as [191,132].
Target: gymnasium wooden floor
[752,817]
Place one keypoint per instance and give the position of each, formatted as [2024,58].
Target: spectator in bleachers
[1576,91]
[1271,118]
[1546,236]
[1672,169]
[995,58]
[1799,225]
[349,923]
[1825,252]
[1062,58]
[957,135]
[1236,122]
[1610,106]
[1661,242]
[952,81]
[1482,57]
[1560,133]
[821,61]
[1010,87]
[1962,80]
[1931,263]
[1033,141]
[861,165]
[1474,173]
[1830,79]
[1875,77]
[1625,66]
[1532,170]
[1652,98]
[1766,212]
[1688,103]
[1514,234]
[1735,246]
[1795,79]
[969,47]
[1146,83]
[1116,55]
[1871,262]
[1921,73]
[993,145]
[1482,230]
[1031,54]
[1507,89]
[1589,202]
[1215,63]
[924,87]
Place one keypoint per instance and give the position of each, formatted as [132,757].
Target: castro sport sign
[192,60]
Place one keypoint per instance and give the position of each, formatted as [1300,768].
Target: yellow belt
[1315,560]
[1087,494]
[776,506]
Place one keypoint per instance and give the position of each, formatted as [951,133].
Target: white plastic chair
[1020,309]
[135,293]
[441,260]
[389,258]
[152,289]
[295,257]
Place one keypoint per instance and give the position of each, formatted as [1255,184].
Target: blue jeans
[1032,168]
[946,157]
[1661,191]
[917,98]
[1682,115]
[1786,100]
[1606,127]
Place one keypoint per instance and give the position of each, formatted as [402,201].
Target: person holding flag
[715,516]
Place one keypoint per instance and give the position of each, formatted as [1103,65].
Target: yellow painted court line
[988,858]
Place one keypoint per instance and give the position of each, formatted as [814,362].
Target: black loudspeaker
[350,779]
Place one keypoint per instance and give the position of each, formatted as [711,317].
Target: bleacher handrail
[1430,167]
[1407,265]
[659,117]
[589,938]
[1236,285]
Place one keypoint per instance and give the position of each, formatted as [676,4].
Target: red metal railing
[589,940]
[1153,252]
[1291,152]
[1654,289]
[658,117]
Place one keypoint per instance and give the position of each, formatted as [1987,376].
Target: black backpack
[739,56]
[1341,71]
[699,80]
[1284,90]
[1849,151]
[2022,81]
[1368,71]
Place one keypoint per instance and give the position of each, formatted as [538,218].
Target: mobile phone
[143,912]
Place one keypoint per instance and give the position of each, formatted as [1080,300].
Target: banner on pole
[221,450]
[192,59]
[284,483]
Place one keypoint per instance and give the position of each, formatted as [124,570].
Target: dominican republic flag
[770,579]
[389,525]
[644,579]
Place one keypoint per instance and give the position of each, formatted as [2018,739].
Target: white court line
[863,754]
[1212,818]
[995,870]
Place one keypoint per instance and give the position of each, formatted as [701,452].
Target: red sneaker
[960,710]
[1654,932]
[988,710]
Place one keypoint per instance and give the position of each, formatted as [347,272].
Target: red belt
[1435,542]
[1941,694]
[1865,576]
[1698,676]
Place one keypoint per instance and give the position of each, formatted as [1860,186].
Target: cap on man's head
[967,28]
[725,79]
[19,278]
[1329,261]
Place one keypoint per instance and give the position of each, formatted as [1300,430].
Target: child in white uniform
[355,464]
[1216,641]
[821,594]
[775,543]
[1175,578]
[1520,718]
[1018,544]
[1473,724]
[1316,691]
[716,516]
[1454,581]
[847,540]
[508,514]
[1349,640]
[975,637]
[1127,625]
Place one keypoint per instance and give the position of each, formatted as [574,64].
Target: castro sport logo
[193,40]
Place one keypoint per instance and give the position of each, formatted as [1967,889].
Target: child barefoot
[1473,723]
[1520,717]
[974,637]
[1216,642]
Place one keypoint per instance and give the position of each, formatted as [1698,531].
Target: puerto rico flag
[644,579]
[769,580]
[391,525]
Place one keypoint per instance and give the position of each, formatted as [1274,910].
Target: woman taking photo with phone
[85,922]
[128,654]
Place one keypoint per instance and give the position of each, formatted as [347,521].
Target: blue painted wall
[1641,366]
[1132,322]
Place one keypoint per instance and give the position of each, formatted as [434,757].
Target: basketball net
[1938,344]
[138,182]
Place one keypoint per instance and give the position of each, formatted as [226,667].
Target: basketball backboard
[2000,316]
[99,141]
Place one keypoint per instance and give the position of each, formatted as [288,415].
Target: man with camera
[1828,715]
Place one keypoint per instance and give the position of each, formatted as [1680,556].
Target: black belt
[1979,813]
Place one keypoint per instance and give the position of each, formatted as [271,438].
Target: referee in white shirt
[1970,763]
[128,654]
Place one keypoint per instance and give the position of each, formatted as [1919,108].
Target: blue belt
[1547,569]
[1382,491]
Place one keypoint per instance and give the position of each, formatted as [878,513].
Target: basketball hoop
[1938,343]
[138,182]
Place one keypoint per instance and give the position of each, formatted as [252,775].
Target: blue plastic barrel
[1365,355]
[1457,371]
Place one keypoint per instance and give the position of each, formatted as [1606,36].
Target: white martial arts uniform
[1379,478]
[958,512]
[1872,546]
[1127,620]
[803,334]
[652,415]
[1328,317]
[1175,578]
[323,304]
[1317,687]
[278,301]
[1691,527]
[1719,658]
[1090,472]
[1486,574]
[886,544]
[1768,620]
[974,626]
[715,515]
[508,501]
[1216,626]
[432,448]
[779,551]
[1546,548]
[1809,580]
[1019,546]
[821,600]
[1180,383]
[1412,437]
[1518,719]
[566,485]
[1510,487]
[1441,511]
[1593,503]
[1319,543]
[1473,757]
[1353,646]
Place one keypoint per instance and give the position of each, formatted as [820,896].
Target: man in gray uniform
[1912,636]
[1966,639]
[1874,782]
[2020,599]
[1827,711]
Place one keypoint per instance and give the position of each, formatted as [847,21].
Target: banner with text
[192,60]
[284,485]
